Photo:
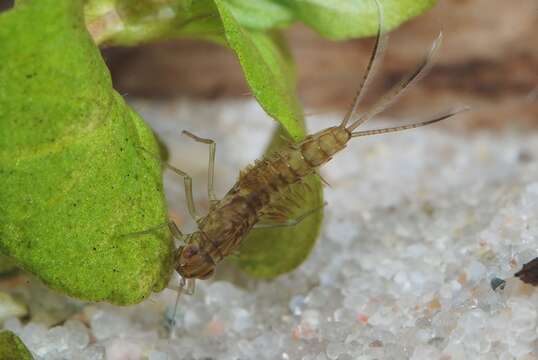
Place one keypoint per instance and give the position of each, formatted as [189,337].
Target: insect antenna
[397,90]
[410,126]
[375,59]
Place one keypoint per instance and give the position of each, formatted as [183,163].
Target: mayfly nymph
[229,220]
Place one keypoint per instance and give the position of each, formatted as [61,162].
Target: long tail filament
[375,59]
[395,92]
[410,126]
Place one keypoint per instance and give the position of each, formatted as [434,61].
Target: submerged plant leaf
[267,69]
[12,347]
[345,19]
[269,252]
[72,181]
[260,14]
[127,22]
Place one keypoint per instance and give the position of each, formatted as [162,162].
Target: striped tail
[395,92]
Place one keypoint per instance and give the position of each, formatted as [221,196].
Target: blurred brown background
[489,60]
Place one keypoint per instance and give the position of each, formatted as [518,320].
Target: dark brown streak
[215,245]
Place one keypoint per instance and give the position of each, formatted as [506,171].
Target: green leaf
[72,180]
[345,19]
[12,348]
[269,252]
[128,22]
[267,69]
[260,14]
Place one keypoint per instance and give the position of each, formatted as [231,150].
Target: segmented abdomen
[261,184]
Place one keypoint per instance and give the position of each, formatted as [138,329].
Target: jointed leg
[191,285]
[211,170]
[172,321]
[187,180]
[174,229]
[187,287]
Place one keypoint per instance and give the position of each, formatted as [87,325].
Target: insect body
[230,219]
[221,231]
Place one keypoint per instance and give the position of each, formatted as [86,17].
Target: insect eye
[190,251]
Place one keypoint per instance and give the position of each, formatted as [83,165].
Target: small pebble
[497,283]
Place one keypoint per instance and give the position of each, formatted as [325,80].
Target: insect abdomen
[293,163]
[260,185]
[320,147]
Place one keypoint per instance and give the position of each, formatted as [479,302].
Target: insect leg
[187,180]
[290,222]
[172,321]
[211,170]
[187,287]
[325,182]
[174,229]
[191,285]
